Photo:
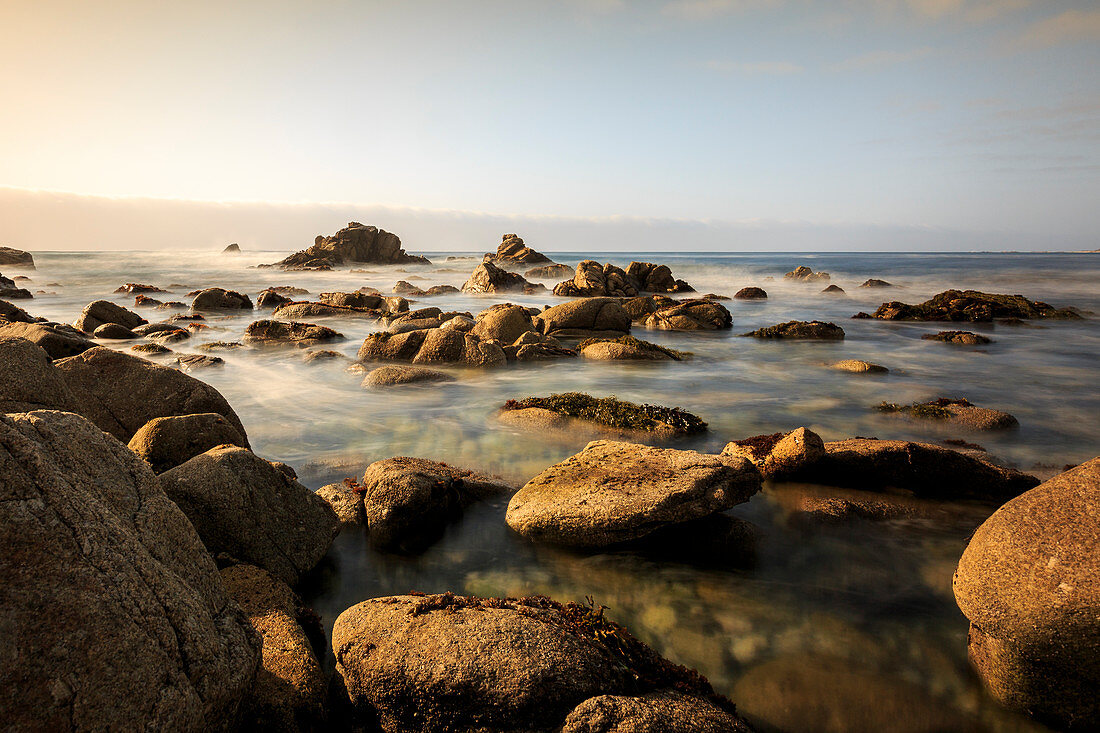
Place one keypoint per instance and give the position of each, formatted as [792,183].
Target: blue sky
[954,115]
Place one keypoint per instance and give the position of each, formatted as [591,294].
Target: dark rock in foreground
[59,340]
[356,243]
[167,442]
[99,312]
[970,305]
[13,314]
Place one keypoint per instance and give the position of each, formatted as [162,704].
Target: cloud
[880,59]
[773,68]
[1071,26]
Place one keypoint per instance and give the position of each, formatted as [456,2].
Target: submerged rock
[602,414]
[512,251]
[1028,583]
[690,315]
[167,442]
[123,623]
[289,332]
[857,366]
[804,330]
[213,299]
[627,348]
[584,317]
[615,492]
[875,283]
[953,411]
[432,346]
[751,293]
[834,289]
[971,305]
[136,288]
[194,362]
[389,376]
[356,243]
[806,275]
[242,505]
[967,338]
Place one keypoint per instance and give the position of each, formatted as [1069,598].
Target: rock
[927,470]
[289,332]
[953,411]
[271,299]
[299,309]
[644,305]
[58,340]
[289,691]
[30,381]
[541,350]
[584,317]
[441,290]
[408,501]
[432,346]
[242,505]
[167,442]
[193,362]
[16,258]
[99,312]
[614,492]
[488,278]
[406,288]
[806,330]
[690,315]
[874,283]
[781,455]
[355,300]
[549,272]
[136,288]
[322,355]
[971,305]
[13,293]
[355,243]
[114,331]
[751,293]
[13,313]
[659,712]
[581,413]
[512,251]
[151,329]
[967,338]
[806,275]
[627,348]
[834,289]
[389,376]
[651,278]
[458,323]
[120,393]
[453,663]
[155,349]
[213,299]
[594,280]
[504,322]
[170,335]
[144,301]
[122,621]
[346,501]
[232,249]
[858,367]
[220,346]
[1028,583]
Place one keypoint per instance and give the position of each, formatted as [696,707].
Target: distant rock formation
[512,251]
[354,243]
[16,258]
[233,249]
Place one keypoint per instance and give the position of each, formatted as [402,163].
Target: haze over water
[858,616]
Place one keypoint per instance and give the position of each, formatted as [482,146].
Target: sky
[827,125]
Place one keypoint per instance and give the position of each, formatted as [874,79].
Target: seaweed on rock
[613,412]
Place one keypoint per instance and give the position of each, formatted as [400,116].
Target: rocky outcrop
[56,339]
[408,501]
[504,322]
[270,299]
[627,348]
[615,492]
[834,290]
[594,280]
[30,381]
[120,392]
[244,506]
[10,291]
[802,330]
[453,663]
[584,318]
[303,309]
[488,278]
[781,455]
[927,470]
[271,332]
[391,376]
[690,315]
[549,272]
[16,258]
[651,278]
[118,618]
[432,346]
[751,293]
[971,305]
[167,442]
[953,411]
[99,312]
[346,501]
[658,712]
[1028,584]
[355,243]
[232,249]
[289,691]
[138,288]
[513,252]
[215,299]
[806,275]
[856,366]
[579,413]
[371,301]
[875,283]
[966,338]
[13,314]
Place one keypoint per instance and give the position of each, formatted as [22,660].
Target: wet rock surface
[802,330]
[971,305]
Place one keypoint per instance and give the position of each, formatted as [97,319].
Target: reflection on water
[831,626]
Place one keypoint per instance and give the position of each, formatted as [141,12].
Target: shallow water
[852,624]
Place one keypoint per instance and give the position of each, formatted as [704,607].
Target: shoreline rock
[354,244]
[970,305]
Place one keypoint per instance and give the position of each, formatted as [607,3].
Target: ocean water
[847,626]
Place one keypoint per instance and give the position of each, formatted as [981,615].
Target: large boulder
[452,663]
[925,469]
[690,315]
[594,280]
[488,278]
[98,312]
[627,348]
[220,299]
[12,313]
[353,244]
[116,618]
[59,340]
[356,300]
[244,506]
[268,332]
[584,317]
[512,251]
[781,455]
[30,381]
[504,322]
[166,442]
[432,346]
[271,299]
[614,492]
[801,330]
[751,293]
[16,258]
[971,305]
[289,691]
[120,392]
[408,501]
[651,278]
